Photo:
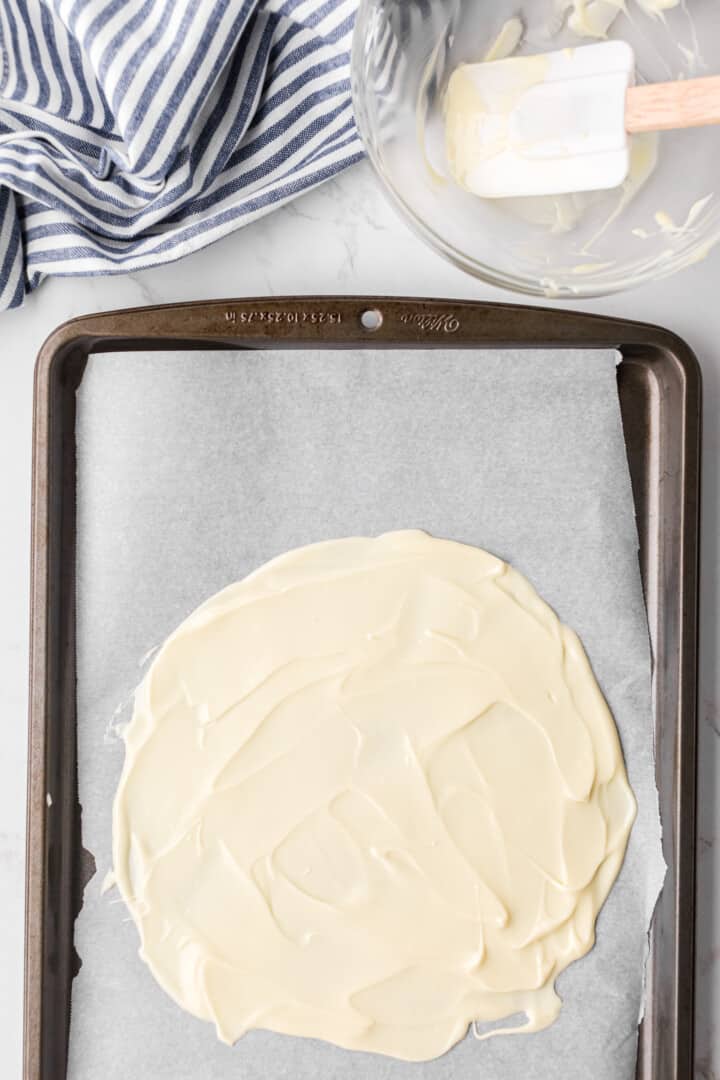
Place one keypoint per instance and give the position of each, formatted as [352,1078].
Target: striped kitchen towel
[133,132]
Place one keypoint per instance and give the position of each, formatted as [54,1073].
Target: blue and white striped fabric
[133,132]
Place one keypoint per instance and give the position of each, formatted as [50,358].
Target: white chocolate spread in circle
[372,793]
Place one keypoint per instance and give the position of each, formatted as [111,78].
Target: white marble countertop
[343,238]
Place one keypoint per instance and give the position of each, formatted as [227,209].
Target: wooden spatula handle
[683,104]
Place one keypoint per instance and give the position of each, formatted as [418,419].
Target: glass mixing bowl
[664,217]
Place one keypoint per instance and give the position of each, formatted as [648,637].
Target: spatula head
[541,125]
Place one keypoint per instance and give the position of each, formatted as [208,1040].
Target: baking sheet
[193,468]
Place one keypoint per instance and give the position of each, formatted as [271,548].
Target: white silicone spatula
[561,122]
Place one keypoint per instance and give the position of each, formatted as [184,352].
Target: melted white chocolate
[371,793]
[477,127]
[593,18]
[508,39]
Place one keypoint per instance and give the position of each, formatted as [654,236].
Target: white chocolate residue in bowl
[593,18]
[372,793]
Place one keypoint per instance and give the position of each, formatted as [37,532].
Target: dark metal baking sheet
[659,386]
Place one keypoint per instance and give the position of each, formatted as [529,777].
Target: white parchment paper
[194,468]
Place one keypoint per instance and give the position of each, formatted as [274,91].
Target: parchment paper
[194,468]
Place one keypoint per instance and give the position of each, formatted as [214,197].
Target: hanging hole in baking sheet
[371,319]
